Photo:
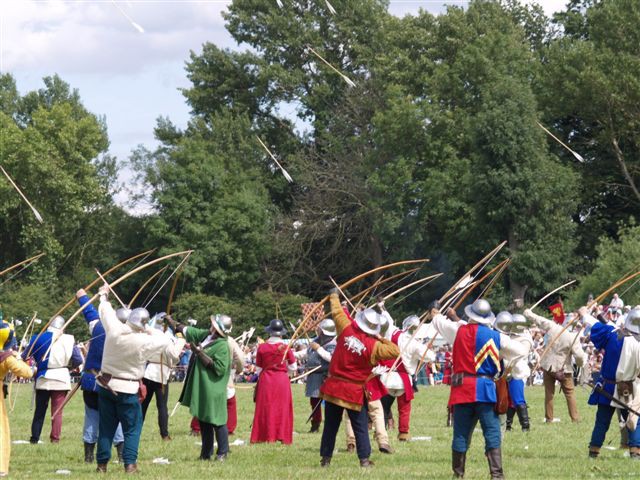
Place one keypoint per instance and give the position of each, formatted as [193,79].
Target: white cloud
[82,37]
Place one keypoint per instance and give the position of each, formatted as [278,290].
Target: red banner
[557,310]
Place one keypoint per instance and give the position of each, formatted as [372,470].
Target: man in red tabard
[359,348]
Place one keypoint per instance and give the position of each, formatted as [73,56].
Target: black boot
[315,427]
[458,460]
[523,416]
[494,456]
[120,449]
[88,452]
[510,413]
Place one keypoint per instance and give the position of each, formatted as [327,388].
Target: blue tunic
[605,338]
[93,361]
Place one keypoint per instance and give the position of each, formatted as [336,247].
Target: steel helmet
[503,322]
[480,312]
[411,323]
[123,314]
[632,322]
[222,324]
[369,321]
[57,323]
[520,323]
[156,321]
[327,327]
[139,318]
[276,328]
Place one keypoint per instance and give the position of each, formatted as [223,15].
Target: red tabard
[401,370]
[273,418]
[350,366]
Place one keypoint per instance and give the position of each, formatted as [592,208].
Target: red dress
[273,418]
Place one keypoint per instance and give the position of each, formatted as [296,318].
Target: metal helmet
[275,328]
[123,314]
[411,323]
[222,324]
[503,322]
[6,335]
[632,322]
[327,327]
[369,321]
[139,318]
[156,321]
[519,323]
[57,323]
[385,326]
[480,312]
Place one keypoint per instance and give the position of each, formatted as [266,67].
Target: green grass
[554,451]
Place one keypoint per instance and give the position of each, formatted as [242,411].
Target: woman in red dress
[273,418]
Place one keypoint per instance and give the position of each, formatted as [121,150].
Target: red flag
[557,310]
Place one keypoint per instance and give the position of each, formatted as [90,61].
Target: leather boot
[523,417]
[325,461]
[315,427]
[119,450]
[102,468]
[88,452]
[131,468]
[634,453]
[510,413]
[458,460]
[494,456]
[366,463]
[594,452]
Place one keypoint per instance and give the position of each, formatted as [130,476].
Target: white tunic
[126,352]
[159,367]
[57,375]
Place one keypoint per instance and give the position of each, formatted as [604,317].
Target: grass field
[552,451]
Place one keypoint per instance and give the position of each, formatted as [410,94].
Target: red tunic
[350,366]
[273,418]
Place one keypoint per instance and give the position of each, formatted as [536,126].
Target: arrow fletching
[330,7]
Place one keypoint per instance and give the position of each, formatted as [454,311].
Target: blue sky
[129,77]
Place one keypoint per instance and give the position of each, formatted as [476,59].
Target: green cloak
[205,389]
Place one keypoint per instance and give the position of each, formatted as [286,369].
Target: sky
[127,57]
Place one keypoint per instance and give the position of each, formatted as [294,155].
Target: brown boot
[366,463]
[458,459]
[131,468]
[594,452]
[385,448]
[325,461]
[102,468]
[351,447]
[494,456]
[403,437]
[634,453]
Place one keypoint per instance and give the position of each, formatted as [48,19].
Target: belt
[489,377]
[348,380]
